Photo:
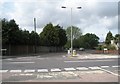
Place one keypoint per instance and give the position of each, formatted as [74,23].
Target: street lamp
[71,29]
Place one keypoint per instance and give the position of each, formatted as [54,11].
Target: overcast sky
[96,16]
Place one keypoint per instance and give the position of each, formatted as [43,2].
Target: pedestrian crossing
[57,69]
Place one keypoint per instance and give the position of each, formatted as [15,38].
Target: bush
[100,47]
[111,47]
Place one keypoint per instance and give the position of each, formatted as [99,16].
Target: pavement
[92,56]
[65,76]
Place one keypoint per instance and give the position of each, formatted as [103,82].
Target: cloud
[96,16]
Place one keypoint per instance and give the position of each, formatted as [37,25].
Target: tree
[89,41]
[109,37]
[53,35]
[9,31]
[62,35]
[117,38]
[76,32]
[33,38]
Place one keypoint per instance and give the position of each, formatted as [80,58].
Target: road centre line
[21,62]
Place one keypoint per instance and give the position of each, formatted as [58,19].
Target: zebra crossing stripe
[15,71]
[55,70]
[115,66]
[42,70]
[94,68]
[82,68]
[3,71]
[29,71]
[69,69]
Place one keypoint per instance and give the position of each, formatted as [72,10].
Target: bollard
[68,52]
[74,53]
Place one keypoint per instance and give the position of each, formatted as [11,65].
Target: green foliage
[11,34]
[68,44]
[109,37]
[34,38]
[9,31]
[61,35]
[53,36]
[100,47]
[89,41]
[111,47]
[117,38]
[76,32]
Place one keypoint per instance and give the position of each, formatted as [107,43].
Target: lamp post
[35,32]
[71,28]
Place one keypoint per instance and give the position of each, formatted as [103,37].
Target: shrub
[111,47]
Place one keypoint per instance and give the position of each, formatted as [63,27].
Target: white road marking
[94,68]
[104,66]
[55,70]
[110,72]
[26,74]
[29,71]
[82,68]
[69,69]
[115,66]
[21,62]
[3,71]
[9,59]
[42,70]
[86,61]
[15,71]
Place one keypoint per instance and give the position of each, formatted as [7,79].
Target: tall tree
[62,35]
[109,37]
[53,35]
[9,31]
[76,32]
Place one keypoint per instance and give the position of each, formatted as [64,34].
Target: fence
[107,52]
[25,49]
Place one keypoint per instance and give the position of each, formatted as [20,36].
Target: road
[55,63]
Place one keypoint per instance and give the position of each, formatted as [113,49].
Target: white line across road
[103,67]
